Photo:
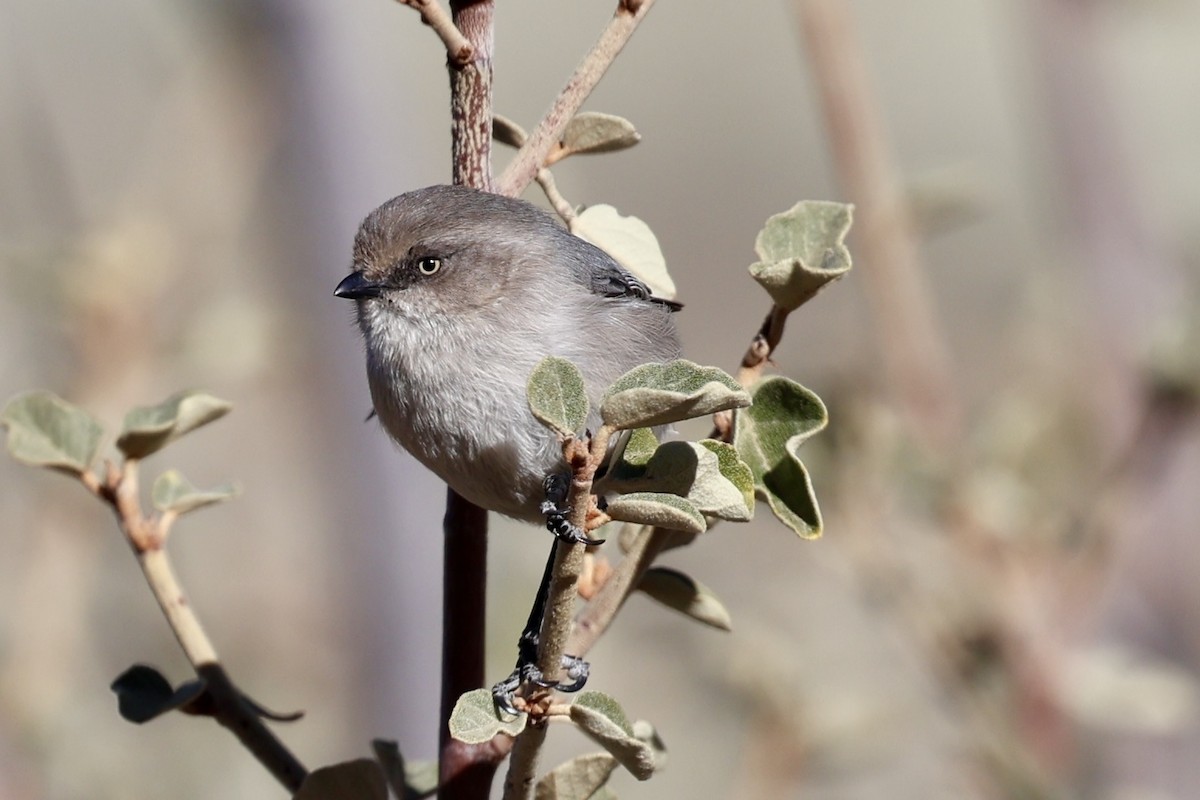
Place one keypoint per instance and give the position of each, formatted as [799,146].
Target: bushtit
[460,294]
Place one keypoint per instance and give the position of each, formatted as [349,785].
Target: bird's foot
[557,522]
[575,670]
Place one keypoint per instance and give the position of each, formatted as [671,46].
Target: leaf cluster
[46,431]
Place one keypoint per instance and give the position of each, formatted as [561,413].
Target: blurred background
[1005,602]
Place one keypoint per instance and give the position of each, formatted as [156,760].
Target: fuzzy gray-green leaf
[768,436]
[659,509]
[578,779]
[474,719]
[641,447]
[46,431]
[173,492]
[557,396]
[602,719]
[658,394]
[802,250]
[148,429]
[686,595]
[708,473]
[594,132]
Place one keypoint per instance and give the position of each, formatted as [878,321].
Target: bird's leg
[557,521]
[526,671]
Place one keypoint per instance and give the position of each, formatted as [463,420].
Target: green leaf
[767,437]
[148,429]
[708,473]
[593,132]
[505,131]
[474,719]
[802,250]
[578,779]
[641,446]
[733,469]
[46,431]
[630,242]
[602,719]
[173,492]
[662,510]
[360,779]
[686,595]
[143,694]
[557,396]
[657,394]
[407,780]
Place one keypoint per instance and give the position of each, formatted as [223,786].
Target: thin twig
[754,362]
[564,209]
[604,606]
[458,49]
[532,155]
[146,536]
[559,612]
[522,767]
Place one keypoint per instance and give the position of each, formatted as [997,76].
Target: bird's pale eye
[429,265]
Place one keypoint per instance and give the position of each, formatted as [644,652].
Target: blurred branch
[532,155]
[914,351]
[147,536]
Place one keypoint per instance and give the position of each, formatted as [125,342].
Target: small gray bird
[460,294]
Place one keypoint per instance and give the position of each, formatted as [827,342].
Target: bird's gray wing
[607,278]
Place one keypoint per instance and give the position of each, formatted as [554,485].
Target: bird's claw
[556,519]
[558,524]
[575,669]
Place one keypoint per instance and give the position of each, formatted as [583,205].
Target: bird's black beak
[355,286]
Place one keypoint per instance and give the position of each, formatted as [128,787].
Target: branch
[600,611]
[471,97]
[147,537]
[559,613]
[458,49]
[532,155]
[466,771]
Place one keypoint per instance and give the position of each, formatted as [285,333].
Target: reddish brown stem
[466,771]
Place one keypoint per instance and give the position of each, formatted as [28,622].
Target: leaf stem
[754,362]
[604,606]
[533,153]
